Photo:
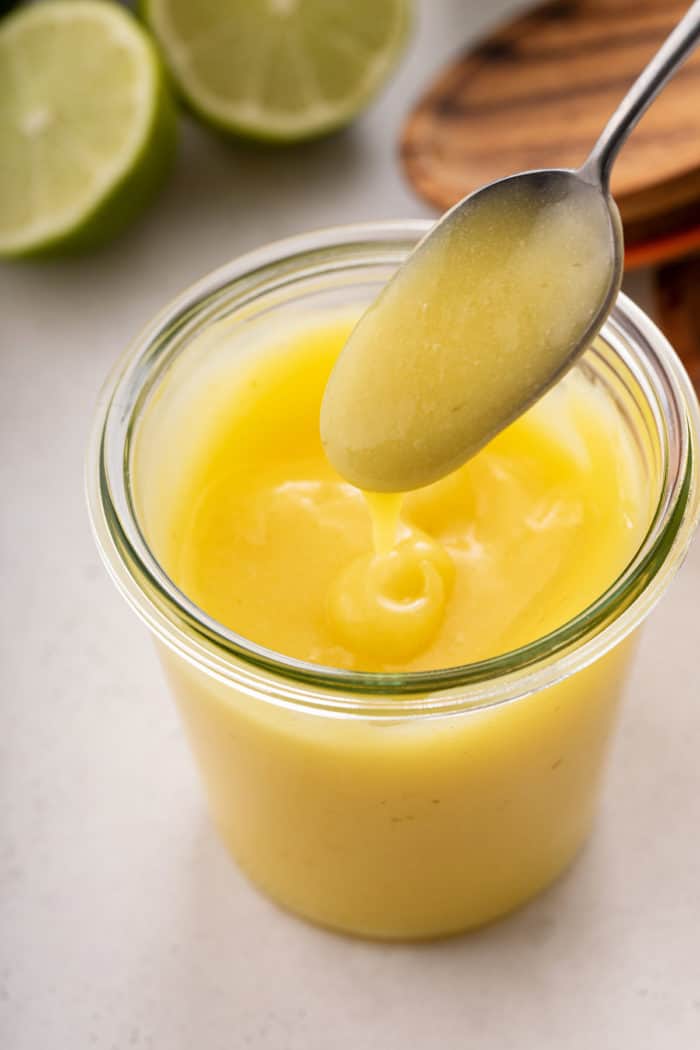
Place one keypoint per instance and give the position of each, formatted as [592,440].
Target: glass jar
[390,805]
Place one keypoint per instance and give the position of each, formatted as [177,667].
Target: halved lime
[87,124]
[279,70]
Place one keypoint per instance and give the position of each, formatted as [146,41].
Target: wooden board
[678,307]
[538,92]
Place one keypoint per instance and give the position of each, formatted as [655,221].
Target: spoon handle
[676,48]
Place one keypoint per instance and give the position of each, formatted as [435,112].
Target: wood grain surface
[677,287]
[538,92]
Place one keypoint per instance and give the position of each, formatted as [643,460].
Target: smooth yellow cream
[268,539]
[479,320]
[392,826]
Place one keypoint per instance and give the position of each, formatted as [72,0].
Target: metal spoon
[367,434]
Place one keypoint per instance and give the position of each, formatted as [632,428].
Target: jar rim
[285,680]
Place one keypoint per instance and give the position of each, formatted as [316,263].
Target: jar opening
[646,373]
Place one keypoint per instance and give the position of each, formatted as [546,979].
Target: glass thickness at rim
[230,657]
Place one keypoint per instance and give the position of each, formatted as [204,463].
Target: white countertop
[123,923]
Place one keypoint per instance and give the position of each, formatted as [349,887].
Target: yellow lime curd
[481,318]
[415,827]
[271,542]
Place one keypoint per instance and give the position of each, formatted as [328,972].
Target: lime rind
[120,187]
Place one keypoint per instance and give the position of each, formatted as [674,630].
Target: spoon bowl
[488,312]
